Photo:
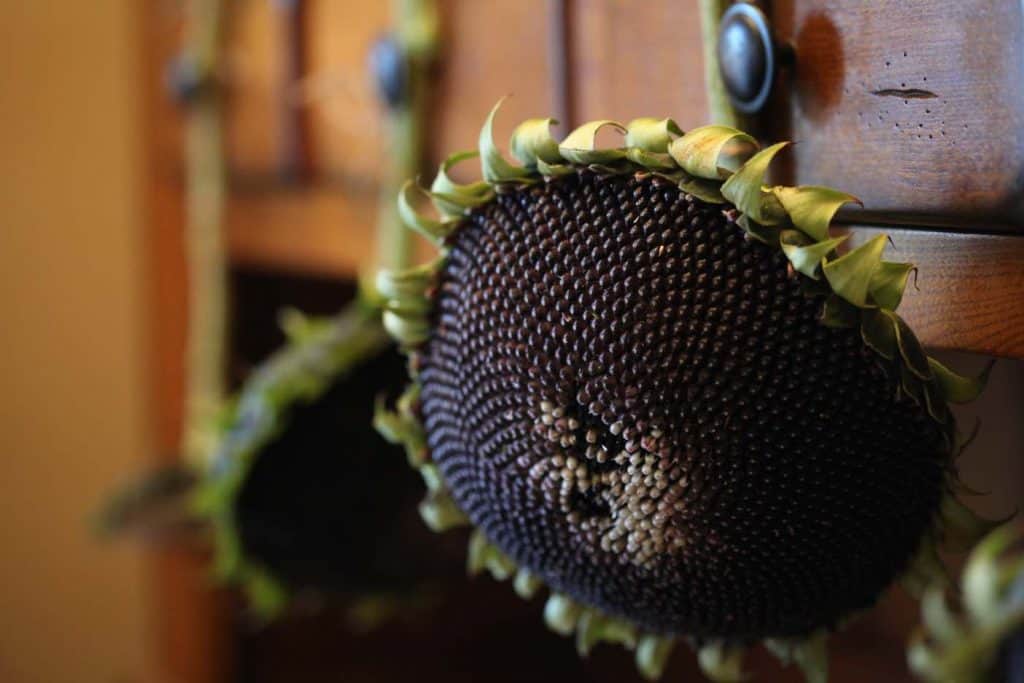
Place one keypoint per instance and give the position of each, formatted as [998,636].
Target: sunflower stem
[720,107]
[416,36]
[204,241]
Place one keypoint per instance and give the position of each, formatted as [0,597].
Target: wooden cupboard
[914,107]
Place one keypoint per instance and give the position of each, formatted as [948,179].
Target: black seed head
[639,405]
[327,504]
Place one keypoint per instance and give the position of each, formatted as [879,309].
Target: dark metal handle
[746,57]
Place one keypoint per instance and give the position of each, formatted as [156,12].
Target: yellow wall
[72,400]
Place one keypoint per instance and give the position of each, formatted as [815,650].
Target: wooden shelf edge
[310,231]
[314,231]
[969,293]
[970,288]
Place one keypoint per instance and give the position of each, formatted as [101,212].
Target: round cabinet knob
[746,56]
[389,70]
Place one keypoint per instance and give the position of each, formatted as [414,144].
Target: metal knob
[746,56]
[390,71]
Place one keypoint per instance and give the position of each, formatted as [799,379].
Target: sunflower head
[655,385]
[300,490]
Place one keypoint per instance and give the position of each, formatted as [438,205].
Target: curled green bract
[850,275]
[746,189]
[811,208]
[652,135]
[433,229]
[579,146]
[720,165]
[889,281]
[452,199]
[712,152]
[963,645]
[532,143]
[495,168]
[807,258]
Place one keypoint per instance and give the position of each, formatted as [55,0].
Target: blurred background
[93,314]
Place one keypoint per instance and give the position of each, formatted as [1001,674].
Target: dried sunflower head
[300,495]
[295,489]
[654,385]
[983,638]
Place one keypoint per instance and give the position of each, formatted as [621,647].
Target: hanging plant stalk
[719,107]
[205,190]
[273,427]
[293,475]
[401,63]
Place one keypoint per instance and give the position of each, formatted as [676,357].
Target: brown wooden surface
[191,621]
[336,94]
[632,59]
[252,62]
[489,49]
[312,230]
[970,288]
[316,230]
[626,60]
[915,107]
[165,214]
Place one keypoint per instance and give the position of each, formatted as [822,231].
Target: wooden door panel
[490,49]
[915,107]
[346,136]
[632,59]
[252,52]
[334,98]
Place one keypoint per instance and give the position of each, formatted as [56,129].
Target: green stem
[394,241]
[205,191]
[719,106]
[416,34]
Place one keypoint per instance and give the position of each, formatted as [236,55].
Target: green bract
[963,646]
[718,165]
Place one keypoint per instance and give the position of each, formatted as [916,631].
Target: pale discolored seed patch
[619,497]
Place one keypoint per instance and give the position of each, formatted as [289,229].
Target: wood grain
[339,93]
[638,59]
[309,231]
[970,292]
[915,107]
[970,288]
[336,92]
[253,61]
[490,49]
[316,230]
